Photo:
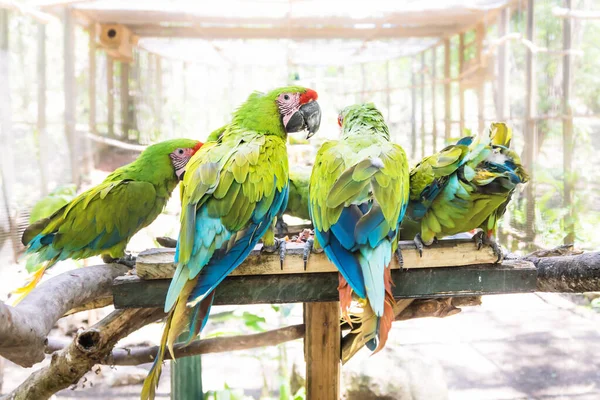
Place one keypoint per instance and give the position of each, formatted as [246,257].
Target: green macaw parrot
[102,220]
[465,186]
[298,201]
[233,189]
[358,193]
[44,208]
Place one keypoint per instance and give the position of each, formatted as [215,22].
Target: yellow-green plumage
[359,191]
[101,220]
[463,187]
[233,189]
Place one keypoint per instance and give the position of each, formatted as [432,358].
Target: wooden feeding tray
[448,268]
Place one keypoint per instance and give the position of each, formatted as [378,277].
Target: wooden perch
[158,263]
[90,347]
[24,328]
[509,277]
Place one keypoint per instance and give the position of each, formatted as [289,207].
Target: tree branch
[24,328]
[568,274]
[143,355]
[90,347]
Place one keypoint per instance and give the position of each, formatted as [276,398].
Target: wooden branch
[25,327]
[144,355]
[116,143]
[288,32]
[568,274]
[90,347]
[158,263]
[99,302]
[561,12]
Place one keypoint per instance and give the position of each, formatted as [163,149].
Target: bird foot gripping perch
[481,238]
[309,247]
[279,245]
[128,260]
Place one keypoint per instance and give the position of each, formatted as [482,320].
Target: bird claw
[419,244]
[481,238]
[400,258]
[128,260]
[478,238]
[280,246]
[309,248]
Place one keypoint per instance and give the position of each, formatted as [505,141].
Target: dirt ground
[527,346]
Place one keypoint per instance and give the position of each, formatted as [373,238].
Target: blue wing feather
[222,263]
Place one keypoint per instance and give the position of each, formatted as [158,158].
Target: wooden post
[6,135]
[569,218]
[125,124]
[134,94]
[92,76]
[110,95]
[42,141]
[502,109]
[388,94]
[433,105]
[159,92]
[186,377]
[413,115]
[423,105]
[71,96]
[447,93]
[322,345]
[479,36]
[363,81]
[502,82]
[461,93]
[530,136]
[89,154]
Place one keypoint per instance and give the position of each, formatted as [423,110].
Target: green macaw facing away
[101,220]
[233,189]
[358,196]
[463,187]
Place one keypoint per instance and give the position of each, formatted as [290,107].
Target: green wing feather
[100,220]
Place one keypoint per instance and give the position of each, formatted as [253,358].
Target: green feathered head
[362,119]
[171,154]
[279,112]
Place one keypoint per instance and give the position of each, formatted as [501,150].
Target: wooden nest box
[117,41]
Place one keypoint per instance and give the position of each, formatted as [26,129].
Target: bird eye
[180,152]
[286,97]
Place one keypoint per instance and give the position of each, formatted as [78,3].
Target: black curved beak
[308,117]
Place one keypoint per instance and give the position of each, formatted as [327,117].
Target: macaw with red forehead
[233,189]
[102,220]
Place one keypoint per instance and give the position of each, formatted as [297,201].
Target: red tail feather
[388,311]
[345,298]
